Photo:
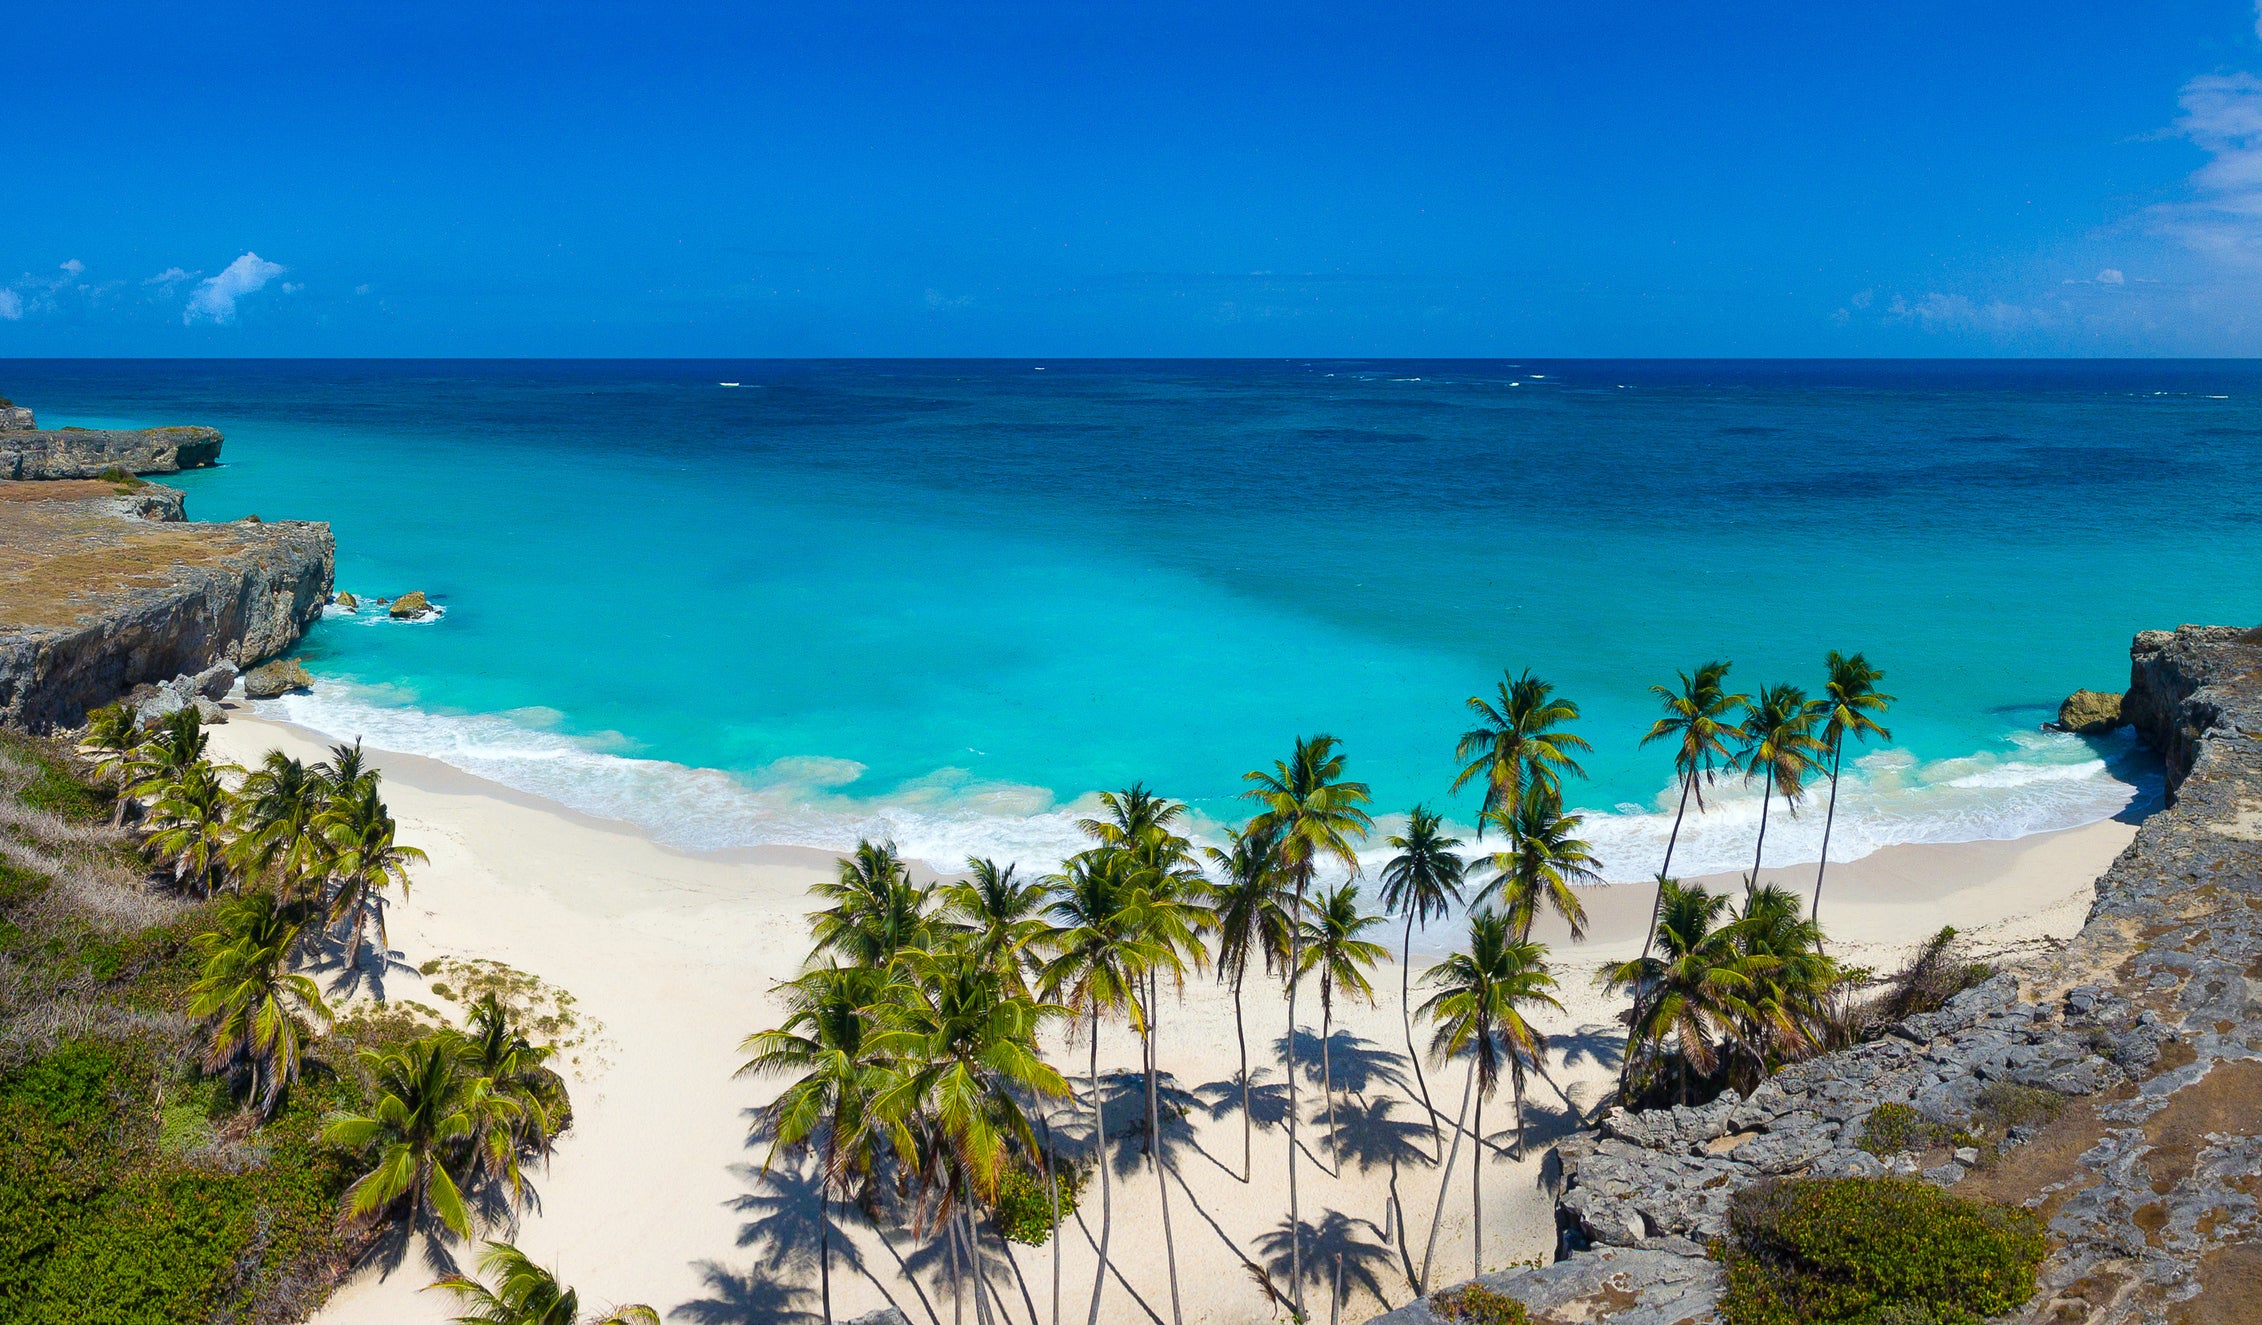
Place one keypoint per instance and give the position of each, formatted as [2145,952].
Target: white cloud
[11,305]
[2111,276]
[216,297]
[74,267]
[361,289]
[292,287]
[171,277]
[2222,114]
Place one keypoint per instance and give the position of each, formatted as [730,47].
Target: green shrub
[1847,1251]
[1893,1128]
[1475,1304]
[2006,1105]
[1023,1208]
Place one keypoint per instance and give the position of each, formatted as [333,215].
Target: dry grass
[59,563]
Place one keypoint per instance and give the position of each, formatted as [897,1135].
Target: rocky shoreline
[105,585]
[2145,1032]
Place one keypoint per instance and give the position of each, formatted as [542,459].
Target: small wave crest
[2038,782]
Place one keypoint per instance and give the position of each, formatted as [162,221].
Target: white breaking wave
[2040,782]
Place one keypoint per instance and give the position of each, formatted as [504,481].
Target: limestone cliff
[85,453]
[2147,1025]
[104,586]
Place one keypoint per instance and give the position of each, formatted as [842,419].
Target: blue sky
[1215,179]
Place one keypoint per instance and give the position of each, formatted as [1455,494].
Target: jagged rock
[15,418]
[1619,1285]
[410,604]
[280,677]
[89,452]
[210,713]
[2090,713]
[216,681]
[884,1316]
[347,601]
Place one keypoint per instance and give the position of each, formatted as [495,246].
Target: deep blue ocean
[748,602]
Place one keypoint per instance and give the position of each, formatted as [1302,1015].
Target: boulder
[216,681]
[209,712]
[410,604]
[347,601]
[280,677]
[2090,713]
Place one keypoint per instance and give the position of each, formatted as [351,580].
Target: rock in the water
[276,678]
[216,681]
[410,604]
[348,602]
[2090,713]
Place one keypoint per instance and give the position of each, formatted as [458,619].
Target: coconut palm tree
[1479,1007]
[1172,913]
[1423,883]
[190,822]
[1698,720]
[876,912]
[346,769]
[1692,989]
[114,734]
[960,1051]
[173,746]
[428,1108]
[1544,863]
[524,1293]
[278,824]
[364,859]
[826,1046]
[1332,945]
[1101,952]
[998,916]
[497,1051]
[1779,747]
[1515,742]
[1786,1006]
[1852,702]
[1249,913]
[1308,810]
[259,1012]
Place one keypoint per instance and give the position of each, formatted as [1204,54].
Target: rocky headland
[105,586]
[28,452]
[2127,1065]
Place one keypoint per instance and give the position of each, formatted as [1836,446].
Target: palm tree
[1694,987]
[961,1049]
[877,911]
[1697,721]
[363,858]
[1248,914]
[1516,742]
[1852,700]
[1422,882]
[1309,811]
[1101,951]
[1332,946]
[497,1051]
[346,769]
[427,1110]
[1479,1006]
[258,1008]
[1779,747]
[114,734]
[1542,866]
[279,823]
[826,1046]
[526,1294]
[1791,980]
[173,746]
[998,916]
[190,819]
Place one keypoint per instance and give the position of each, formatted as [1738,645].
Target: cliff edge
[2147,1027]
[104,586]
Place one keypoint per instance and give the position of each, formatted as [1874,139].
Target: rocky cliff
[85,453]
[2146,1030]
[104,586]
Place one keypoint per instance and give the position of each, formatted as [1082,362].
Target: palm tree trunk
[1649,940]
[1406,1016]
[1241,1034]
[1295,1224]
[1052,1187]
[1814,912]
[1327,1071]
[1154,1157]
[1751,885]
[1476,1192]
[957,1274]
[1517,1082]
[1099,1137]
[1445,1179]
[1147,1052]
[973,1249]
[825,1226]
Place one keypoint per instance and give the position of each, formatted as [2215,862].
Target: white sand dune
[656,1195]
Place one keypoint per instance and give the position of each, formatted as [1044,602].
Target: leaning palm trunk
[1445,1179]
[1295,1213]
[1751,885]
[1814,912]
[1155,1157]
[1099,1137]
[825,1223]
[1327,1073]
[1241,1035]
[1476,1191]
[1649,940]
[1052,1189]
[1406,1016]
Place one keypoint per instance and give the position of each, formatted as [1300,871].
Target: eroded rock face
[86,453]
[2147,1027]
[280,677]
[409,605]
[95,601]
[15,418]
[2090,713]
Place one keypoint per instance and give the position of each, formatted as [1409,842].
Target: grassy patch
[1475,1304]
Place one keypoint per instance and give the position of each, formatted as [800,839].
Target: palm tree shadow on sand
[1358,1065]
[781,1204]
[752,1298]
[1357,1243]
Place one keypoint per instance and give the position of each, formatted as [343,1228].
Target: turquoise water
[945,601]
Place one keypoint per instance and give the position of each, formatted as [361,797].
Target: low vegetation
[1860,1251]
[1474,1304]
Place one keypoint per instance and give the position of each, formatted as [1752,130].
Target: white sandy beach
[654,1195]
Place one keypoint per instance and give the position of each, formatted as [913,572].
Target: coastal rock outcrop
[2125,1070]
[410,606]
[65,453]
[15,418]
[280,677]
[95,601]
[2090,713]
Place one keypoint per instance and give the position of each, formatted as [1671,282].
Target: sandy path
[654,1195]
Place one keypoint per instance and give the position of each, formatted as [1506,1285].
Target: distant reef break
[105,585]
